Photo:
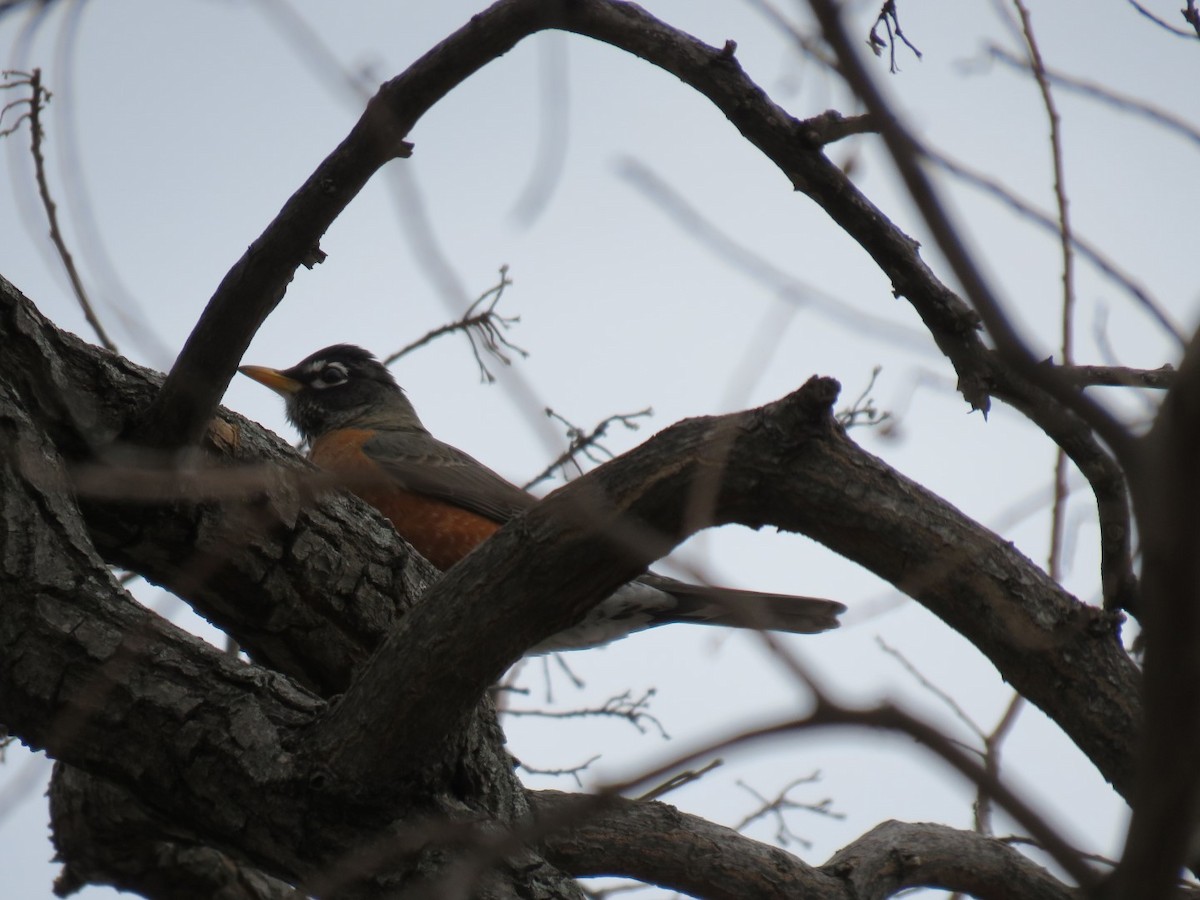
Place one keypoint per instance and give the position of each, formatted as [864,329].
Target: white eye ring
[330,375]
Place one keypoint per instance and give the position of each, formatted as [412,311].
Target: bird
[359,425]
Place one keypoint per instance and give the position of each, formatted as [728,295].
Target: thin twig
[484,329]
[889,18]
[863,410]
[1191,35]
[1115,99]
[1161,378]
[38,98]
[1038,68]
[991,762]
[748,260]
[572,771]
[621,706]
[907,154]
[679,779]
[950,702]
[584,444]
[782,803]
[1085,249]
[829,714]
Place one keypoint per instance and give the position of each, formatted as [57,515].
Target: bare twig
[1017,839]
[747,260]
[889,18]
[553,130]
[1163,23]
[810,46]
[1161,378]
[919,677]
[1107,95]
[863,410]
[991,761]
[907,155]
[38,98]
[565,667]
[781,803]
[622,706]
[1038,68]
[1085,249]
[679,779]
[585,444]
[829,714]
[483,326]
[572,771]
[991,742]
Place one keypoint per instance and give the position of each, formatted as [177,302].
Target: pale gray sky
[193,122]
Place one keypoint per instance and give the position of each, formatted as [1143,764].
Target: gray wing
[424,465]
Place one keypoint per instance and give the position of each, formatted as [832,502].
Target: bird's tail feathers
[747,609]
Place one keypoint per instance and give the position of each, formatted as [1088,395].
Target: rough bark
[656,843]
[104,836]
[213,748]
[220,769]
[131,679]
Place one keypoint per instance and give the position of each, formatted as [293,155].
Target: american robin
[358,423]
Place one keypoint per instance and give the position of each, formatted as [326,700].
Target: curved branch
[787,465]
[249,548]
[1066,414]
[1166,488]
[205,741]
[657,844]
[256,284]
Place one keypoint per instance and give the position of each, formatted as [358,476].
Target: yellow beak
[272,378]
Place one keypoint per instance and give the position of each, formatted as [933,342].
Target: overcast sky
[178,130]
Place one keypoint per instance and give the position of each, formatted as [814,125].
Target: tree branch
[256,284]
[838,494]
[785,465]
[657,844]
[104,836]
[1166,491]
[306,587]
[207,742]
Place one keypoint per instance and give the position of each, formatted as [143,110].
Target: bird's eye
[330,375]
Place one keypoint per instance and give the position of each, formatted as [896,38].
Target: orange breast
[441,532]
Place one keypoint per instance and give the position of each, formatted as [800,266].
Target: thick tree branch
[785,465]
[1166,491]
[249,549]
[207,743]
[1069,418]
[832,491]
[256,284]
[1066,418]
[657,844]
[101,682]
[104,836]
[894,856]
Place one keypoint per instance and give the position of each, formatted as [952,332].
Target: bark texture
[357,755]
[248,766]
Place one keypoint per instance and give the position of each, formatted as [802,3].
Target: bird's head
[342,386]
